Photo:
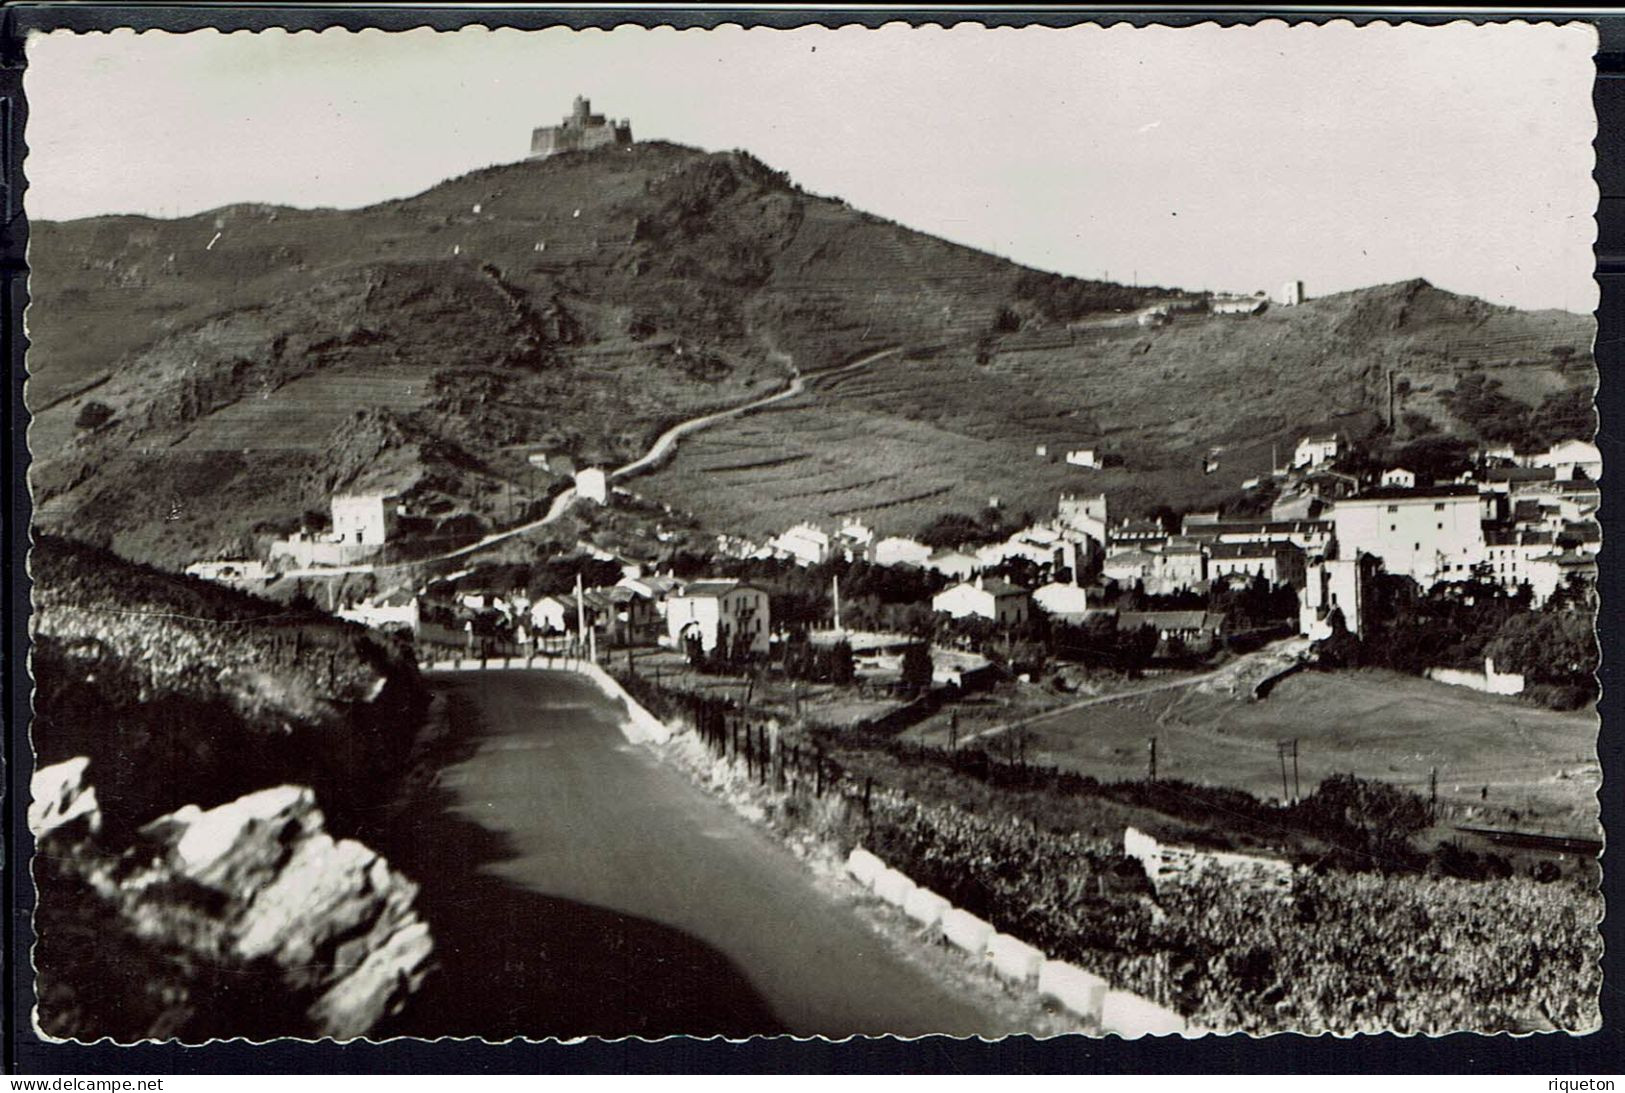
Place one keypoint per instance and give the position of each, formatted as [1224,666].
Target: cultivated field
[1377,725]
[303,414]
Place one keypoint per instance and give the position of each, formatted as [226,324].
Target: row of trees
[1458,625]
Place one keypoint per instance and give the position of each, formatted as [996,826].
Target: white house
[1291,294]
[1278,563]
[1509,553]
[364,518]
[1399,478]
[653,587]
[806,544]
[592,485]
[391,612]
[853,540]
[1236,305]
[1549,573]
[1312,451]
[1130,567]
[228,570]
[900,551]
[1062,599]
[953,563]
[1571,459]
[997,600]
[553,614]
[1179,565]
[1431,535]
[1084,457]
[718,613]
[1332,585]
[1043,546]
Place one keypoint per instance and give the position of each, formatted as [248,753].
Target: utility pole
[1151,760]
[581,615]
[1433,793]
[835,584]
[953,730]
[1297,786]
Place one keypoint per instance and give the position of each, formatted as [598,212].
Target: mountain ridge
[584,302]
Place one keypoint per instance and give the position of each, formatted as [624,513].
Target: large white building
[1430,535]
[719,612]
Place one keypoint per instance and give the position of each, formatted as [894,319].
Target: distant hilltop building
[581,130]
[1291,294]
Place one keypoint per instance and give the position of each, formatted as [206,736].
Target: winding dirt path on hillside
[663,445]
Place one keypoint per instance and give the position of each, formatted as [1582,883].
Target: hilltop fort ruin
[580,130]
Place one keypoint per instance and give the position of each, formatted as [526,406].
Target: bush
[93,415]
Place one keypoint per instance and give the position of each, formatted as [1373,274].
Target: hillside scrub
[184,692]
[1564,415]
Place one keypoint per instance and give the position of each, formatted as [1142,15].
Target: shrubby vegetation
[1479,402]
[1063,299]
[1458,625]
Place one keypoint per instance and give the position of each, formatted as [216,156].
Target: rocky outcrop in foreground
[248,919]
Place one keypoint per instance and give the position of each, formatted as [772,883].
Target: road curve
[662,446]
[578,885]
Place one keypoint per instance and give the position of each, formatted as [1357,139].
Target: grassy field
[1379,725]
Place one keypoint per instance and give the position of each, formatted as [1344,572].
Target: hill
[188,883]
[200,381]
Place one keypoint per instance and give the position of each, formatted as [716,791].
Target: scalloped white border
[1114,21]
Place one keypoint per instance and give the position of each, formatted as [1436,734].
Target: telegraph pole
[1151,760]
[835,585]
[1297,786]
[1280,751]
[581,614]
[1433,793]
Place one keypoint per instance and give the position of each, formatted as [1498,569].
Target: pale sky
[1224,158]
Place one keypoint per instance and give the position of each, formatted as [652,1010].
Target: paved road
[579,885]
